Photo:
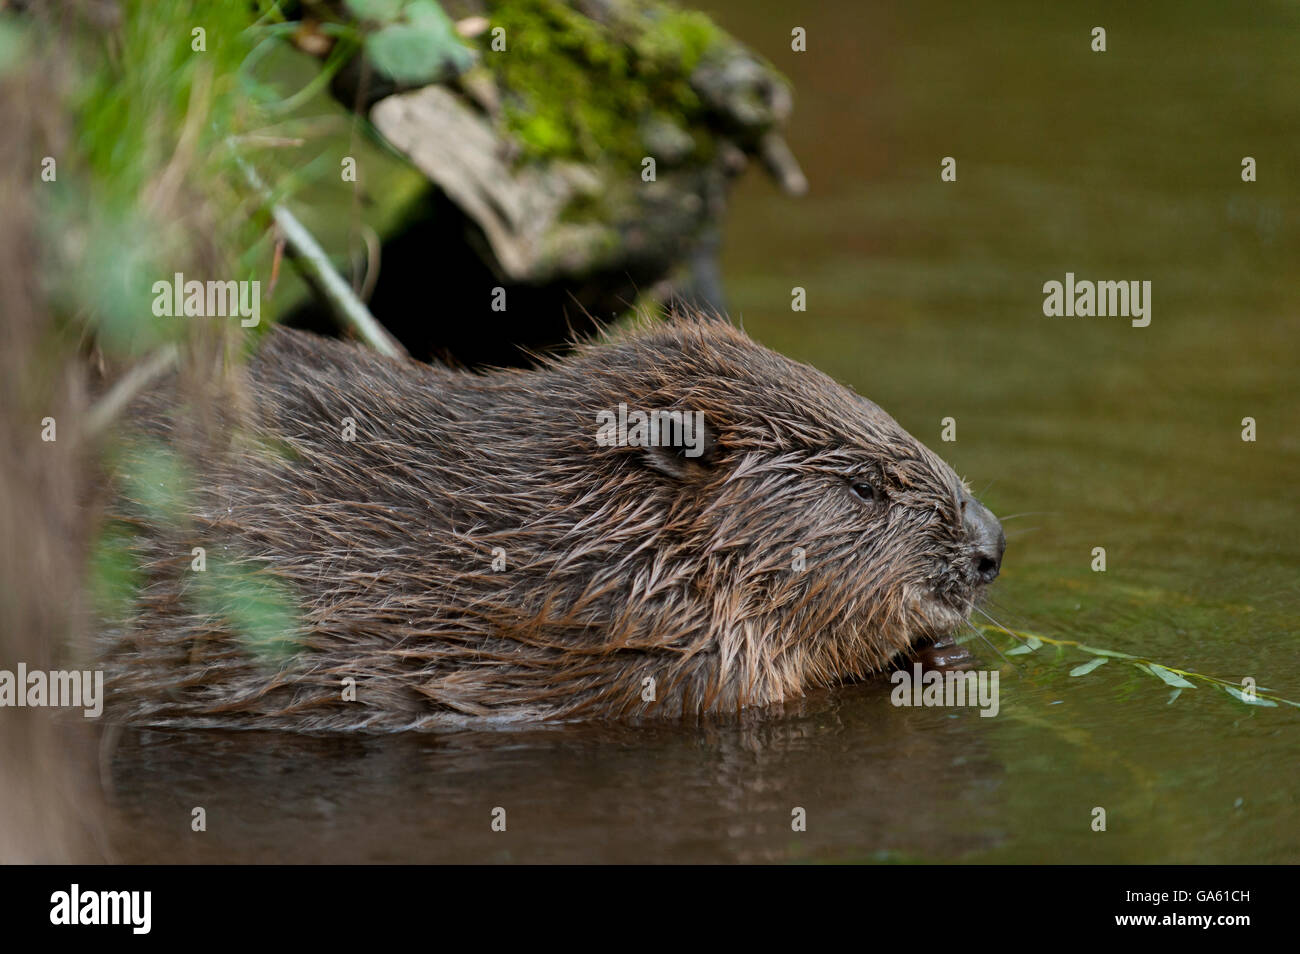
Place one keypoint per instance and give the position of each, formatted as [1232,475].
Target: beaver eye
[864,491]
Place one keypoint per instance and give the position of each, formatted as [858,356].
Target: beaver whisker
[983,613]
[984,639]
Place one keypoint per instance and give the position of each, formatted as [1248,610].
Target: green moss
[577,89]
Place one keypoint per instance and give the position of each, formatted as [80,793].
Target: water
[927,297]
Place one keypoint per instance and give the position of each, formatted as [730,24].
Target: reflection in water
[877,782]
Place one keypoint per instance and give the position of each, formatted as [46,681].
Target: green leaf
[1088,667]
[1105,652]
[420,50]
[1032,643]
[377,11]
[1169,676]
[1241,697]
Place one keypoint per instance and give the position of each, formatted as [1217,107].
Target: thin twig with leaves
[1180,679]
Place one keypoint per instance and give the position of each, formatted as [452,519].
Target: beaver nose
[987,541]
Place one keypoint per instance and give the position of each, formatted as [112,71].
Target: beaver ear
[696,454]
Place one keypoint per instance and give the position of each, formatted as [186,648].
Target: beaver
[459,546]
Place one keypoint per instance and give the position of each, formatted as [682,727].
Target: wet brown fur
[622,564]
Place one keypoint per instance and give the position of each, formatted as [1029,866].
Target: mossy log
[588,144]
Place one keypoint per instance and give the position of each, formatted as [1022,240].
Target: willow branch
[316,268]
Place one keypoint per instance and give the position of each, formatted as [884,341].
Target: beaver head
[521,543]
[802,539]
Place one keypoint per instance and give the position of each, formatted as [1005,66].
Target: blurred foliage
[258,607]
[414,41]
[239,595]
[13,43]
[148,186]
[157,479]
[115,577]
[119,250]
